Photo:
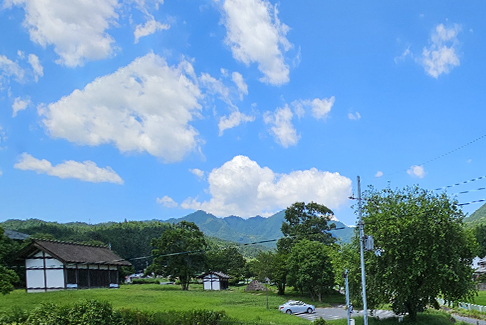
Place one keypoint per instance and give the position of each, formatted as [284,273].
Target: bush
[146,281]
[93,312]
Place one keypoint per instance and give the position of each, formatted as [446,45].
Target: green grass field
[247,307]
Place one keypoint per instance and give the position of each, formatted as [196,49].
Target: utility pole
[346,286]
[361,235]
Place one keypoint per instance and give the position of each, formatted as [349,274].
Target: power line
[210,249]
[472,202]
[461,183]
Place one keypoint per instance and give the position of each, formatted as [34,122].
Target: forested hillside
[478,216]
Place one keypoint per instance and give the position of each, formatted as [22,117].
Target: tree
[186,243]
[272,265]
[425,250]
[227,260]
[310,268]
[7,277]
[307,221]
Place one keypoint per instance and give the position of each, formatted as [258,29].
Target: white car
[296,307]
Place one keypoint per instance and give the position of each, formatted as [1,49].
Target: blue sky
[152,109]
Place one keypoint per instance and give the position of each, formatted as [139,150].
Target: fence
[464,305]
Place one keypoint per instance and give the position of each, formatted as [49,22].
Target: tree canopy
[425,251]
[8,278]
[179,252]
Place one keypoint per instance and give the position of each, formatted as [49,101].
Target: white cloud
[379,174]
[36,66]
[255,34]
[320,107]
[167,202]
[9,68]
[76,29]
[145,106]
[1,172]
[215,86]
[241,187]
[416,171]
[354,116]
[199,173]
[19,105]
[150,27]
[282,130]
[235,119]
[86,171]
[404,55]
[441,57]
[240,83]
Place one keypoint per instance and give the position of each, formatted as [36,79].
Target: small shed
[54,265]
[215,280]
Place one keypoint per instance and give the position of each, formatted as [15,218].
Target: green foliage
[227,260]
[272,265]
[478,217]
[8,278]
[310,268]
[146,281]
[480,234]
[309,221]
[426,252]
[182,237]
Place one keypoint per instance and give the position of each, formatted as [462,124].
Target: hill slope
[478,217]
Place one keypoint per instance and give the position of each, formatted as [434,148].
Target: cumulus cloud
[216,87]
[19,105]
[416,171]
[256,35]
[36,66]
[199,173]
[240,83]
[86,171]
[379,174]
[76,29]
[241,187]
[441,57]
[167,202]
[282,130]
[233,120]
[150,27]
[354,116]
[144,106]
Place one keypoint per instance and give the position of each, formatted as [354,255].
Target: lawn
[480,299]
[153,297]
[247,307]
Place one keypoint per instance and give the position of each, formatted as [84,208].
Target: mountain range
[253,229]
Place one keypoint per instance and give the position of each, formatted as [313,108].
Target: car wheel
[309,310]
[289,312]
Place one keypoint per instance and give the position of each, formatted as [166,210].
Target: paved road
[339,312]
[470,320]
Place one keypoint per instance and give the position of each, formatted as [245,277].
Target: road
[339,312]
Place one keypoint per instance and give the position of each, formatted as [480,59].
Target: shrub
[146,281]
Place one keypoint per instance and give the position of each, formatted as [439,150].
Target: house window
[71,276]
[83,278]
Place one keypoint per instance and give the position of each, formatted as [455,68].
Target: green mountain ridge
[477,217]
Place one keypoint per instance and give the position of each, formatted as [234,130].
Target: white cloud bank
[86,171]
[416,171]
[19,105]
[441,57]
[197,172]
[76,29]
[233,120]
[145,106]
[36,66]
[241,187]
[9,68]
[255,34]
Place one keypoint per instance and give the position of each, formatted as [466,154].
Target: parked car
[296,307]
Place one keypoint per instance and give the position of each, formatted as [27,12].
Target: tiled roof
[76,253]
[220,274]
[15,235]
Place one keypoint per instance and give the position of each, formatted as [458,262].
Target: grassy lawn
[480,299]
[248,307]
[153,297]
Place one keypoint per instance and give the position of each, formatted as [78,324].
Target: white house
[54,265]
[215,281]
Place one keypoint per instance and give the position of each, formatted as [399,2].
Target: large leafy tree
[7,276]
[425,250]
[272,265]
[310,268]
[179,252]
[227,260]
[306,221]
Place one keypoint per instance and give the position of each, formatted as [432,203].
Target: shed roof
[15,235]
[75,253]
[221,275]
